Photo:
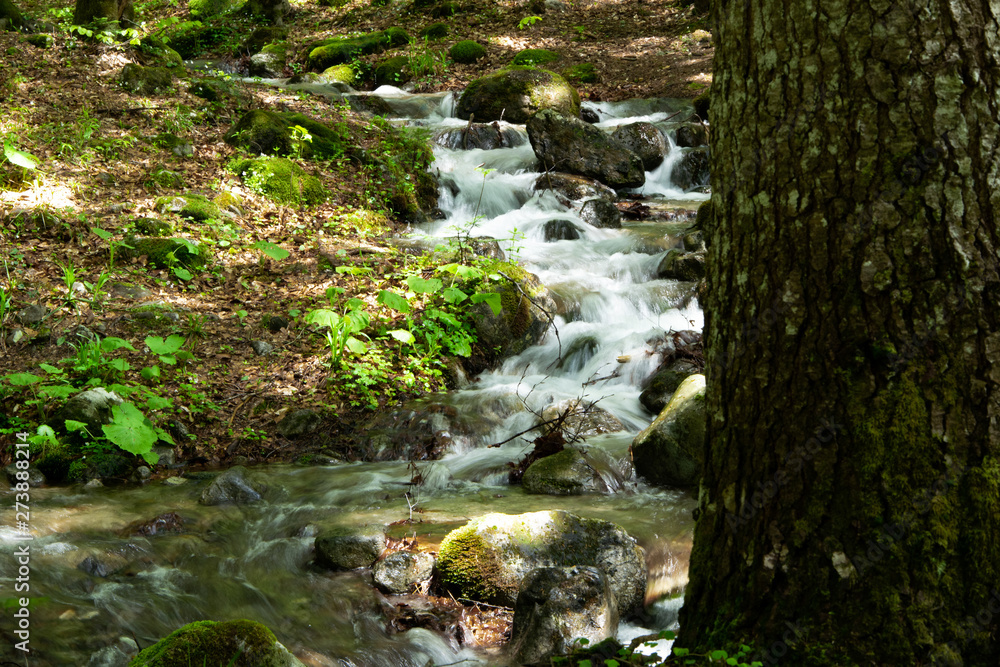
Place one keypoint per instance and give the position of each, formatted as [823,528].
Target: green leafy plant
[133,432]
[528,21]
[272,250]
[339,328]
[168,351]
[16,156]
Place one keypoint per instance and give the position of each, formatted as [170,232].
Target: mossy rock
[340,50]
[532,57]
[393,72]
[137,79]
[228,201]
[39,41]
[582,73]
[520,323]
[269,133]
[466,52]
[516,93]
[340,74]
[155,52]
[261,37]
[152,227]
[434,31]
[189,254]
[55,464]
[203,9]
[103,465]
[211,90]
[239,643]
[165,178]
[280,179]
[190,205]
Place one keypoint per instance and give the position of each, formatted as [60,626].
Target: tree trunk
[119,11]
[850,505]
[9,11]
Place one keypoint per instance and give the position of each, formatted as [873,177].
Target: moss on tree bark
[850,505]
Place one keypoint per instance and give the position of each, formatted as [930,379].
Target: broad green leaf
[355,345]
[19,157]
[355,304]
[22,379]
[183,355]
[46,435]
[353,270]
[460,346]
[150,457]
[183,274]
[150,373]
[454,295]
[164,436]
[681,652]
[50,369]
[323,317]
[403,336]
[158,403]
[611,662]
[120,365]
[168,359]
[719,655]
[73,426]
[393,301]
[357,320]
[57,391]
[130,429]
[585,663]
[160,346]
[110,344]
[424,285]
[492,299]
[271,250]
[103,233]
[462,271]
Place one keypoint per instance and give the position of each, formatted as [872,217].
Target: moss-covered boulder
[211,90]
[660,387]
[670,450]
[489,557]
[340,74]
[680,265]
[261,37]
[141,80]
[582,73]
[534,57]
[522,321]
[434,31]
[466,52]
[270,133]
[393,72]
[167,252]
[580,148]
[645,140]
[280,179]
[239,643]
[341,50]
[192,206]
[40,41]
[152,227]
[517,93]
[349,547]
[564,474]
[154,52]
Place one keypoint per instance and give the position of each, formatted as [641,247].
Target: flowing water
[254,561]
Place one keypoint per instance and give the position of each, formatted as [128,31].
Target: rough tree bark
[850,506]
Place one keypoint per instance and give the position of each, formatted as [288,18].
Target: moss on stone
[340,74]
[340,50]
[239,643]
[152,227]
[145,80]
[701,104]
[582,73]
[469,567]
[434,31]
[260,38]
[466,52]
[280,179]
[227,200]
[516,93]
[190,205]
[393,72]
[39,41]
[167,252]
[269,133]
[155,52]
[203,9]
[532,57]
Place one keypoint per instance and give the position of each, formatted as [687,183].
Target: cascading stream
[253,561]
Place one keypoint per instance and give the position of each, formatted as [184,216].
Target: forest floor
[98,160]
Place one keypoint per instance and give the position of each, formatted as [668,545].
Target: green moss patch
[466,52]
[145,80]
[155,52]
[582,73]
[235,643]
[340,74]
[434,31]
[280,179]
[531,57]
[167,252]
[393,72]
[190,205]
[338,51]
[270,133]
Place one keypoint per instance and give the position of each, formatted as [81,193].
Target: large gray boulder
[488,558]
[400,571]
[558,605]
[670,451]
[92,407]
[680,265]
[567,473]
[601,213]
[574,187]
[235,486]
[657,390]
[569,144]
[349,547]
[645,140]
[484,136]
[515,93]
[692,172]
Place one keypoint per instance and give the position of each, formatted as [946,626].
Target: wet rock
[298,423]
[601,213]
[211,643]
[658,389]
[573,187]
[484,136]
[348,547]
[167,455]
[235,486]
[30,474]
[104,565]
[515,94]
[670,451]
[645,140]
[118,654]
[267,65]
[576,147]
[522,321]
[691,135]
[92,407]
[142,473]
[588,115]
[169,522]
[680,265]
[418,432]
[175,481]
[93,485]
[582,419]
[558,605]
[564,474]
[561,230]
[130,291]
[692,171]
[488,558]
[260,38]
[400,571]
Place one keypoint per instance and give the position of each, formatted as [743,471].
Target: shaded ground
[100,159]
